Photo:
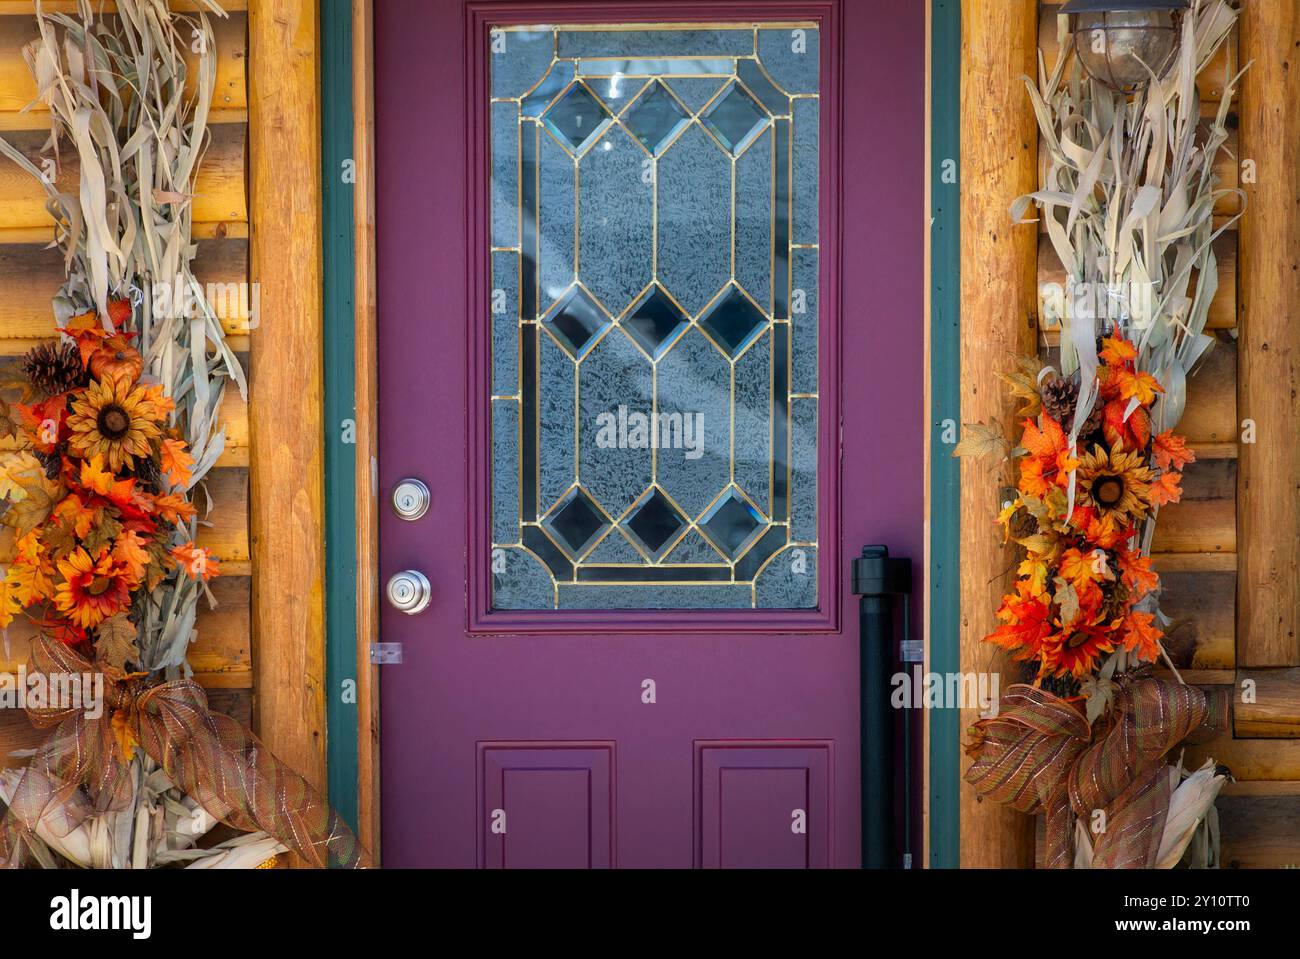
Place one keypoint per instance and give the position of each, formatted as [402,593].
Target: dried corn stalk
[116,92]
[1127,200]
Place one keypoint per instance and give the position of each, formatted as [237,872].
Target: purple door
[651,335]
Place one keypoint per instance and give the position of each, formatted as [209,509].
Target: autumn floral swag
[102,444]
[1086,741]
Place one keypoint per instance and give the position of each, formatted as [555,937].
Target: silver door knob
[410,499]
[409,591]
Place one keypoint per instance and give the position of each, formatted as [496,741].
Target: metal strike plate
[409,591]
[912,650]
[385,654]
[410,499]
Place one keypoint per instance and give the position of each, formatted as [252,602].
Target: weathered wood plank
[1211,413]
[1274,712]
[1259,831]
[30,275]
[1202,610]
[998,163]
[1204,520]
[1268,610]
[1249,759]
[287,496]
[219,186]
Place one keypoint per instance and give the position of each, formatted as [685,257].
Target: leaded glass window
[654,316]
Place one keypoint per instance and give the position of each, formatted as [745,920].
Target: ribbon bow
[211,757]
[1040,754]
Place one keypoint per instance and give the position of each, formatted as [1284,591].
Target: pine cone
[1115,603]
[54,369]
[146,471]
[1093,423]
[1059,396]
[52,462]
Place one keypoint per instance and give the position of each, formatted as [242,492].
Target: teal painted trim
[340,408]
[945,414]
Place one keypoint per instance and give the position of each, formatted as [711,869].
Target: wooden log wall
[1229,552]
[30,273]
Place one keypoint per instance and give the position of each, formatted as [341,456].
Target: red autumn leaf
[1169,450]
[196,561]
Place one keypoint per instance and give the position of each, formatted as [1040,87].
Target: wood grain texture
[367,400]
[999,317]
[1268,609]
[30,275]
[1258,831]
[1204,519]
[287,464]
[1202,611]
[1275,711]
[1249,759]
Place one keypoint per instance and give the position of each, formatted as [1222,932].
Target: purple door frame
[754,709]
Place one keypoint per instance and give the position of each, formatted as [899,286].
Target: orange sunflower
[93,589]
[1077,651]
[1116,484]
[116,419]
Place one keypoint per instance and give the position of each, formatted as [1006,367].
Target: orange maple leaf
[1142,385]
[123,734]
[1137,573]
[173,508]
[1026,623]
[196,561]
[1141,636]
[94,477]
[176,462]
[1166,488]
[1168,450]
[129,552]
[75,514]
[88,332]
[1116,351]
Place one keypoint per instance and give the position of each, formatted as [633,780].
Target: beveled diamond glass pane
[655,322]
[655,117]
[735,117]
[577,117]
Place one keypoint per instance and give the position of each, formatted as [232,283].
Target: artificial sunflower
[93,589]
[1076,651]
[116,419]
[1116,484]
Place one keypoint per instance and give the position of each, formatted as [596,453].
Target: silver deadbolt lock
[410,499]
[409,591]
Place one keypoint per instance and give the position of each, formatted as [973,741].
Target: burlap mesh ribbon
[1040,755]
[212,758]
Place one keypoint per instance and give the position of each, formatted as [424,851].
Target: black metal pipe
[878,579]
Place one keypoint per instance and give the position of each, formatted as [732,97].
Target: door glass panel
[654,316]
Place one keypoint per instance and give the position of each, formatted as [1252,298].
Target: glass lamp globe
[1114,38]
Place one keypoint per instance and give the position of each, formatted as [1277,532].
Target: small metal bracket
[912,650]
[385,654]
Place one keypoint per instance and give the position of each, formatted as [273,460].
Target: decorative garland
[1084,741]
[117,424]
